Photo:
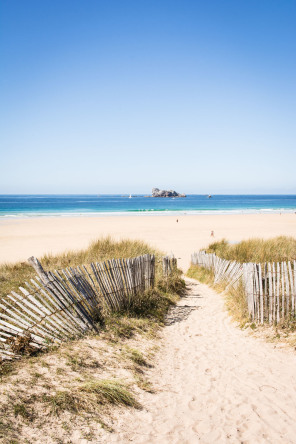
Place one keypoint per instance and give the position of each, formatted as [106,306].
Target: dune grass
[14,275]
[87,397]
[150,305]
[82,379]
[278,249]
[235,298]
[111,391]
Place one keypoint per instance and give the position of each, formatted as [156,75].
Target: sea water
[116,204]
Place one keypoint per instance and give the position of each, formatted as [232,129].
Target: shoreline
[22,238]
[151,212]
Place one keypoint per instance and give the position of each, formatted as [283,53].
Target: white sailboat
[130,196]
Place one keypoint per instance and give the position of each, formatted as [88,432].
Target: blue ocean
[12,206]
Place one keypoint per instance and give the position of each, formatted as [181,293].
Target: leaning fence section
[270,288]
[229,272]
[65,303]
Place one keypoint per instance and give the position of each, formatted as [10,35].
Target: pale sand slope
[22,238]
[215,384]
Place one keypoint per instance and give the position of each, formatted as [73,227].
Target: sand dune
[215,383]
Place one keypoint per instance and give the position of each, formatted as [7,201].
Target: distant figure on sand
[177,221]
[212,233]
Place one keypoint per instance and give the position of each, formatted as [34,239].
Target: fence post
[33,261]
[165,266]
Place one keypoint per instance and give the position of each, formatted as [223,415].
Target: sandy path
[215,384]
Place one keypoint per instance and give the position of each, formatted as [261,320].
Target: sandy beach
[21,238]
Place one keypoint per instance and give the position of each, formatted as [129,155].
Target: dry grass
[136,356]
[144,384]
[201,274]
[235,298]
[87,397]
[110,391]
[72,392]
[278,249]
[79,385]
[154,303]
[172,283]
[14,275]
[120,326]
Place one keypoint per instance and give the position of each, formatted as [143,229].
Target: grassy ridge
[83,381]
[14,275]
[278,249]
[153,303]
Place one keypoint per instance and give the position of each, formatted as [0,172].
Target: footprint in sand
[267,388]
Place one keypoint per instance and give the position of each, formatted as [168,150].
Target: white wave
[146,212]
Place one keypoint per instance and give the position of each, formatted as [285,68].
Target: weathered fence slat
[261,294]
[283,289]
[278,278]
[291,286]
[270,288]
[65,303]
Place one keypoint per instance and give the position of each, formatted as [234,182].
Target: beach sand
[214,383]
[22,238]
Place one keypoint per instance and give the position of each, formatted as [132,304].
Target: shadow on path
[180,313]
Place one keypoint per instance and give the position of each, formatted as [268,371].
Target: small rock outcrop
[156,192]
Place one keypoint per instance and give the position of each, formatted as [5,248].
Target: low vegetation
[235,297]
[72,392]
[278,249]
[14,275]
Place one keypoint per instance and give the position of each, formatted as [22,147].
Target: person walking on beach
[212,233]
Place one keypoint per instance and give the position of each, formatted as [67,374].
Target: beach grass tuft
[14,275]
[88,396]
[110,391]
[278,249]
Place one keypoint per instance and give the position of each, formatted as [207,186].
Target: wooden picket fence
[270,288]
[169,264]
[229,272]
[63,304]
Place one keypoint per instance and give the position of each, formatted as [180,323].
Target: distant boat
[209,196]
[130,196]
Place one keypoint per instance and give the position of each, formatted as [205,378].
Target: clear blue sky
[120,96]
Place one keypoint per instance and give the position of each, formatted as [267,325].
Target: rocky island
[156,192]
